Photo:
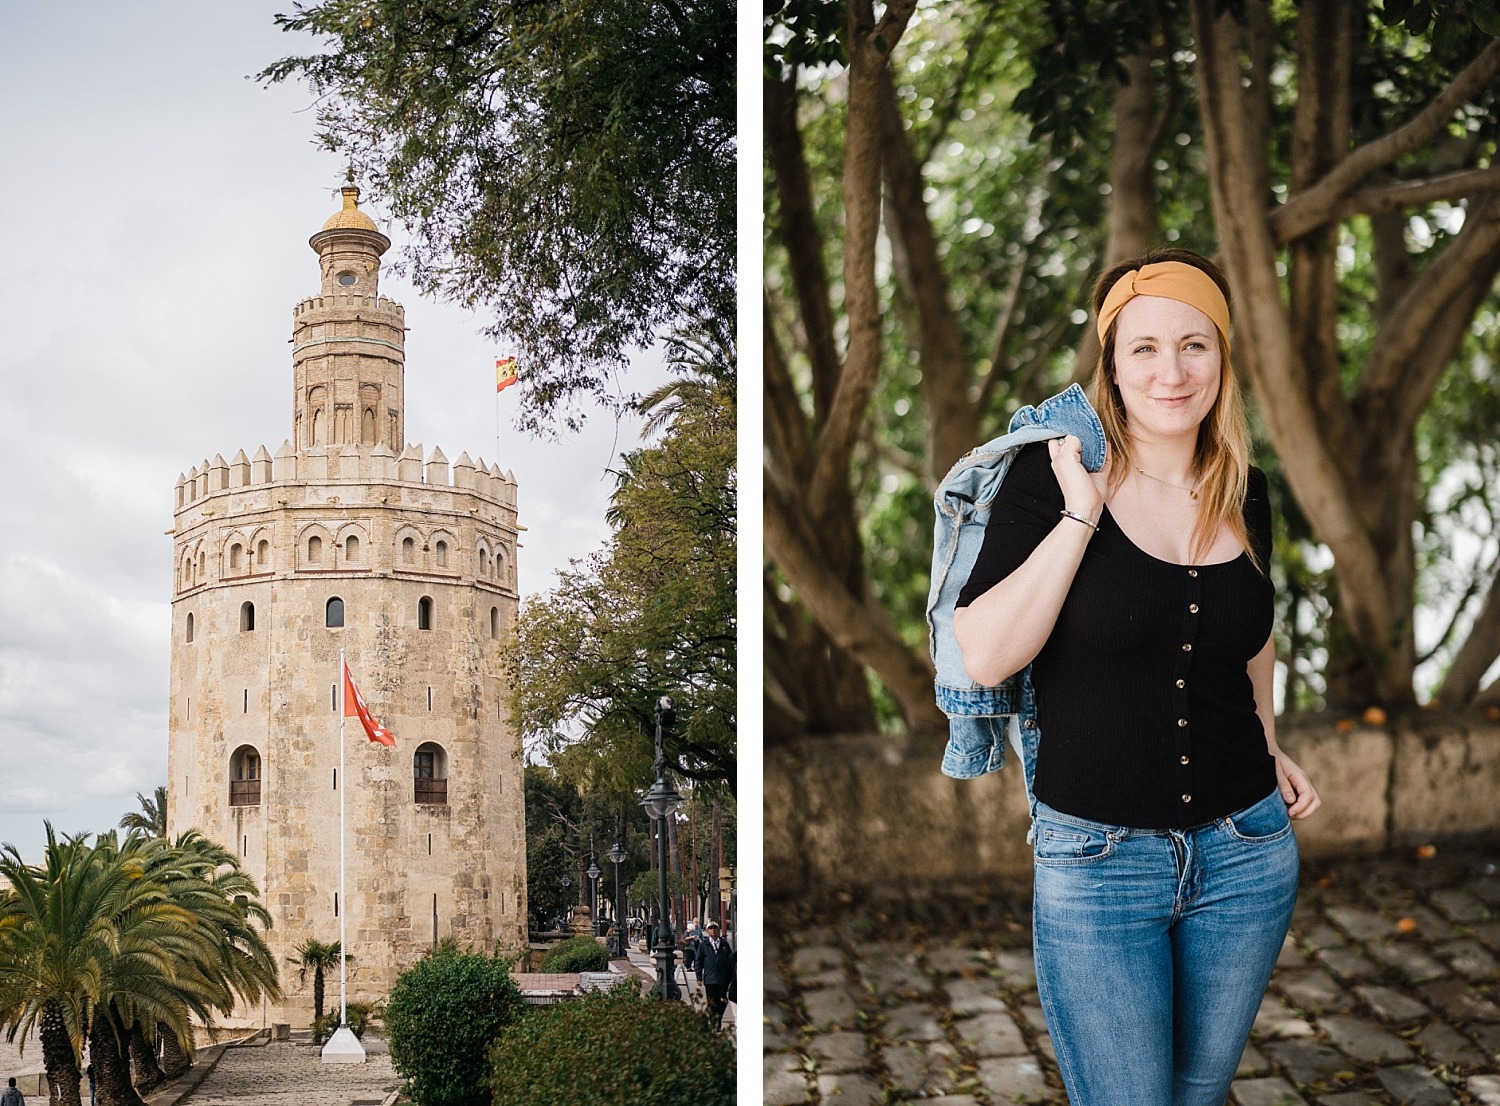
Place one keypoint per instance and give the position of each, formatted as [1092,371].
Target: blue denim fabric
[981,718]
[1154,949]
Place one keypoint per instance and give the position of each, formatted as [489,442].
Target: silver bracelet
[1094,526]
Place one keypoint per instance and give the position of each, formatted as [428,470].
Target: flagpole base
[343,1048]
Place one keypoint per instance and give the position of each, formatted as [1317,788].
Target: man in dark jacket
[717,960]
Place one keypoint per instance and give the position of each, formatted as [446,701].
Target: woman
[1165,865]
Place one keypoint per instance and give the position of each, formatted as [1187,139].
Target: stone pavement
[290,1073]
[1387,992]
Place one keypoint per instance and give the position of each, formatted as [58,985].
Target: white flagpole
[343,1047]
[343,899]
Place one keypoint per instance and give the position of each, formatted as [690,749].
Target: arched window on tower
[334,612]
[202,566]
[244,777]
[351,549]
[408,551]
[441,554]
[262,553]
[236,554]
[494,622]
[247,616]
[424,613]
[314,549]
[367,427]
[190,626]
[429,770]
[317,427]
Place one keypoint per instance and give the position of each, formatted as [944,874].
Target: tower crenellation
[349,539]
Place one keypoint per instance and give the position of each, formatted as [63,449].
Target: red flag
[505,373]
[354,707]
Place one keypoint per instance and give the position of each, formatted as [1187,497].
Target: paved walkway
[1386,994]
[291,1073]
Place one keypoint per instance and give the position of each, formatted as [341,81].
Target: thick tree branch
[1265,338]
[1319,203]
[1477,653]
[1382,198]
[952,422]
[801,240]
[870,46]
[1429,321]
[853,623]
[786,425]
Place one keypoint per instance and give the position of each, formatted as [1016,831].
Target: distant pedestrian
[12,1097]
[717,961]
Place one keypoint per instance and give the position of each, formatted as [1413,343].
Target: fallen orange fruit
[1374,716]
[1426,852]
[1406,925]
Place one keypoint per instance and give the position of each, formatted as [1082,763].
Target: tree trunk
[148,1073]
[715,901]
[59,1058]
[107,1053]
[174,1061]
[318,1004]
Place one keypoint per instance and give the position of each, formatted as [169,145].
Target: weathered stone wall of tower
[260,549]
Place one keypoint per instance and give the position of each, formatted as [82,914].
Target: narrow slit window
[334,613]
[190,628]
[247,617]
[424,613]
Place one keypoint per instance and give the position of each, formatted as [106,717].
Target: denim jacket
[981,718]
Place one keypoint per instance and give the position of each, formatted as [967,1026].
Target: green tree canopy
[567,167]
[653,613]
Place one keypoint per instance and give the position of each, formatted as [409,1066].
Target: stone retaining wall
[870,810]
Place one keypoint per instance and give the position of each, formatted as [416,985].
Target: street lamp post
[593,874]
[617,855]
[660,802]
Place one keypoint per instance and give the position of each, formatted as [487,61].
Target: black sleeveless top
[1146,709]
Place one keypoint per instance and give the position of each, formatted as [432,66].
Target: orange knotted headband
[1173,280]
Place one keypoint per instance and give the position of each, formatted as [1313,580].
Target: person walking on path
[1141,599]
[717,960]
[12,1096]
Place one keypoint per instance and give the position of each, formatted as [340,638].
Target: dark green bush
[441,1017]
[576,954]
[612,1047]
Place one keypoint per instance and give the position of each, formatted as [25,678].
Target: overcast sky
[156,206]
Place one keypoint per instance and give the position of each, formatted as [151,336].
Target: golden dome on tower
[350,217]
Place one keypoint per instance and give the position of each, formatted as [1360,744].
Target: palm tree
[315,955]
[151,819]
[83,934]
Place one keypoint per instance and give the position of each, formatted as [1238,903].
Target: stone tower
[347,539]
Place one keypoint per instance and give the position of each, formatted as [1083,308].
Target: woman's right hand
[1083,491]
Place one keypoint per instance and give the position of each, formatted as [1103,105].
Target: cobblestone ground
[292,1074]
[1386,994]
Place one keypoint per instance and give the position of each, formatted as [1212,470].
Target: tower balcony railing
[244,792]
[432,791]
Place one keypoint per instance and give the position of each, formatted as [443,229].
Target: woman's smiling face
[1167,367]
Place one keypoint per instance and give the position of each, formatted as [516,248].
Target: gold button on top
[1192,608]
[1182,683]
[1181,722]
[1187,646]
[1187,798]
[1183,760]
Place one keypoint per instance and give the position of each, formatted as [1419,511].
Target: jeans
[1154,948]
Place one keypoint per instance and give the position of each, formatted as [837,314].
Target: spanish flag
[354,707]
[505,373]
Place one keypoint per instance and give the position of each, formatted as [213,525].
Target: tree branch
[1319,204]
[1381,198]
[801,240]
[786,424]
[952,423]
[1477,653]
[870,46]
[853,623]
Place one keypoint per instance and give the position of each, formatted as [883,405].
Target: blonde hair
[1222,459]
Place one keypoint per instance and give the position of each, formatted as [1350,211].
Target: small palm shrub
[441,1016]
[576,954]
[612,1047]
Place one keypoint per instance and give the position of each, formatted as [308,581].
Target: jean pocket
[1065,843]
[1263,822]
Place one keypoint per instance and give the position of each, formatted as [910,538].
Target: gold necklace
[1192,492]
